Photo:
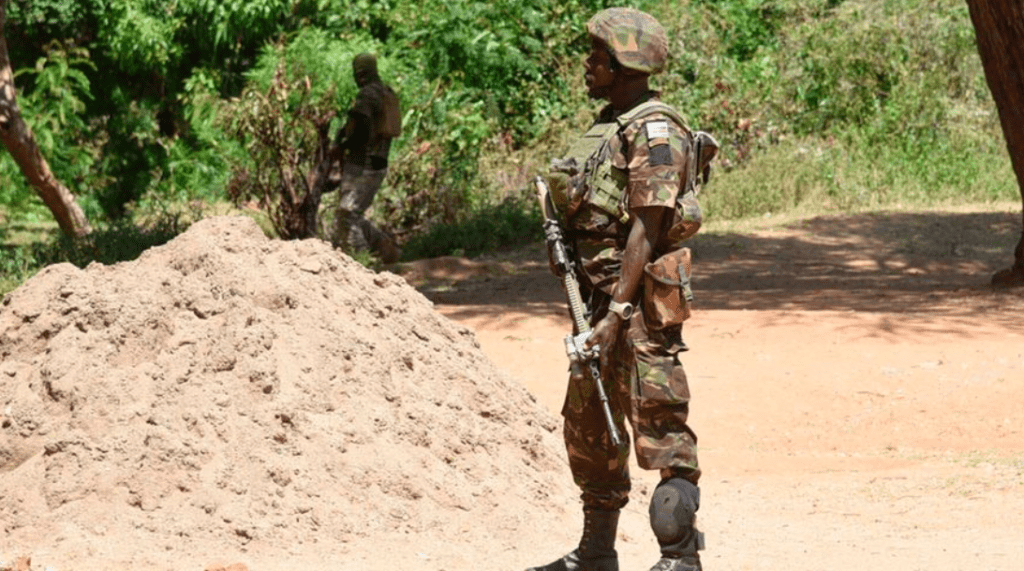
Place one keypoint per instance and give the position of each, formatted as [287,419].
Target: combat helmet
[364,68]
[635,38]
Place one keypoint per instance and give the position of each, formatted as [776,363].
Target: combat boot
[685,563]
[596,551]
[674,506]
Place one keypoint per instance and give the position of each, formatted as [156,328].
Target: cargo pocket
[660,380]
[667,291]
[661,405]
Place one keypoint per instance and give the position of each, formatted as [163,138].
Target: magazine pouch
[667,291]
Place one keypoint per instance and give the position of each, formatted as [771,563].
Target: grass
[816,176]
[509,223]
[108,244]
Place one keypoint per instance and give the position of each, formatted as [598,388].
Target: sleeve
[654,153]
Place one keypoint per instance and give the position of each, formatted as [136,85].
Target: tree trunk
[999,27]
[18,139]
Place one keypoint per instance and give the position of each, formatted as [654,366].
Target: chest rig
[595,194]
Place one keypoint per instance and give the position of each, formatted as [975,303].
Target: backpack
[390,122]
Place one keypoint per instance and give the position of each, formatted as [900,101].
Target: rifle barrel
[574,345]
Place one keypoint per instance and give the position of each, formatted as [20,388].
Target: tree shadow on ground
[893,261]
[922,263]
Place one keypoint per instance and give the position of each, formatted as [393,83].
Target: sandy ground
[858,391]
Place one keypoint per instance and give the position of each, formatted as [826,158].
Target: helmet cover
[635,38]
[365,64]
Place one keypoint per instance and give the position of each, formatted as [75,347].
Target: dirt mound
[226,395]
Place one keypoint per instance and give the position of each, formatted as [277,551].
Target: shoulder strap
[649,108]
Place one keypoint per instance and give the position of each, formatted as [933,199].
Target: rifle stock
[575,345]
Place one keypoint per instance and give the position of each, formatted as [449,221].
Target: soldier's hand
[604,333]
[553,266]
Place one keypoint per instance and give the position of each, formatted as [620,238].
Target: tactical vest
[594,197]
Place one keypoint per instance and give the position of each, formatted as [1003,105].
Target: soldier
[363,144]
[626,196]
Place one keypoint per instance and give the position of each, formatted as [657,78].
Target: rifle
[564,267]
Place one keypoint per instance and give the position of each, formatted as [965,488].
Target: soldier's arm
[643,235]
[653,165]
[357,130]
[353,134]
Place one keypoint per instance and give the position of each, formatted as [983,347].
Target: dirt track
[857,390]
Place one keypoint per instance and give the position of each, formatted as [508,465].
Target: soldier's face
[599,74]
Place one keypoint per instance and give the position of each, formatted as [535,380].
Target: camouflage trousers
[352,232]
[646,384]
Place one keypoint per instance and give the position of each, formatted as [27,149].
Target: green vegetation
[828,105]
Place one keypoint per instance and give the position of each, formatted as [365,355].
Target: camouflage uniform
[642,373]
[359,186]
[363,169]
[636,166]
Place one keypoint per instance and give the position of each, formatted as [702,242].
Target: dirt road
[858,390]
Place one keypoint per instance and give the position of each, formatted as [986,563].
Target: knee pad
[674,506]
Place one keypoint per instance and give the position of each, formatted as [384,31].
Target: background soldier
[627,202]
[362,145]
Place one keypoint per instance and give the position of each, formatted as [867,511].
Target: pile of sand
[226,396]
